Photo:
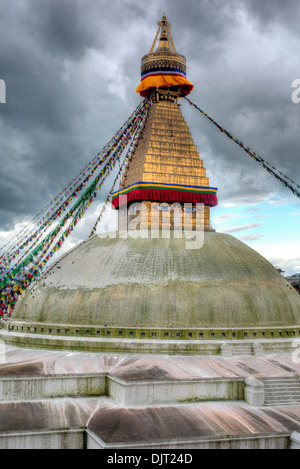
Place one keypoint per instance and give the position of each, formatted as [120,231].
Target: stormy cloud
[71,69]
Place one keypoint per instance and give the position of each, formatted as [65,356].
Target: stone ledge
[200,425]
[295,440]
[152,333]
[51,386]
[52,439]
[142,345]
[274,441]
[254,393]
[174,391]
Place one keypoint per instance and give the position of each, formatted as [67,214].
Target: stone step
[244,354]
[242,350]
[242,347]
[286,378]
[281,386]
[284,382]
[283,395]
[281,403]
[282,389]
[282,398]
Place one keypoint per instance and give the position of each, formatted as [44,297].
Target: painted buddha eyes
[167,208]
[162,208]
[191,209]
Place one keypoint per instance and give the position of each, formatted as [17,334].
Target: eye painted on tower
[191,209]
[162,208]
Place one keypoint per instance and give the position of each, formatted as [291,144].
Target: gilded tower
[165,171]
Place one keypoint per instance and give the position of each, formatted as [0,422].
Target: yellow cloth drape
[159,81]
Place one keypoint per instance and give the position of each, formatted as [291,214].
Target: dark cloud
[71,69]
[273,13]
[58,28]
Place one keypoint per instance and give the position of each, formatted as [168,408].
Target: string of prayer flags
[34,246]
[279,176]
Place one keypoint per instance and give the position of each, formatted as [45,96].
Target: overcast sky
[71,68]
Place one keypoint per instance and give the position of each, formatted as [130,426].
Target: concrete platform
[60,399]
[206,425]
[45,424]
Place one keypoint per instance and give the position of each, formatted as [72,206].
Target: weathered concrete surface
[20,361]
[51,386]
[295,440]
[254,393]
[34,362]
[136,379]
[44,439]
[55,423]
[194,425]
[135,415]
[166,391]
[61,413]
[180,368]
[160,283]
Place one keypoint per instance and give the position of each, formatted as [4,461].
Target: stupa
[161,315]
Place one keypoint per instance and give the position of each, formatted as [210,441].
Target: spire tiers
[164,182]
[165,170]
[164,68]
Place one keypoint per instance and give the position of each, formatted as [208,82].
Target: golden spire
[166,40]
[165,167]
[163,67]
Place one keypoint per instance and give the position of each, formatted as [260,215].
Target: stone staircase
[242,349]
[282,391]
